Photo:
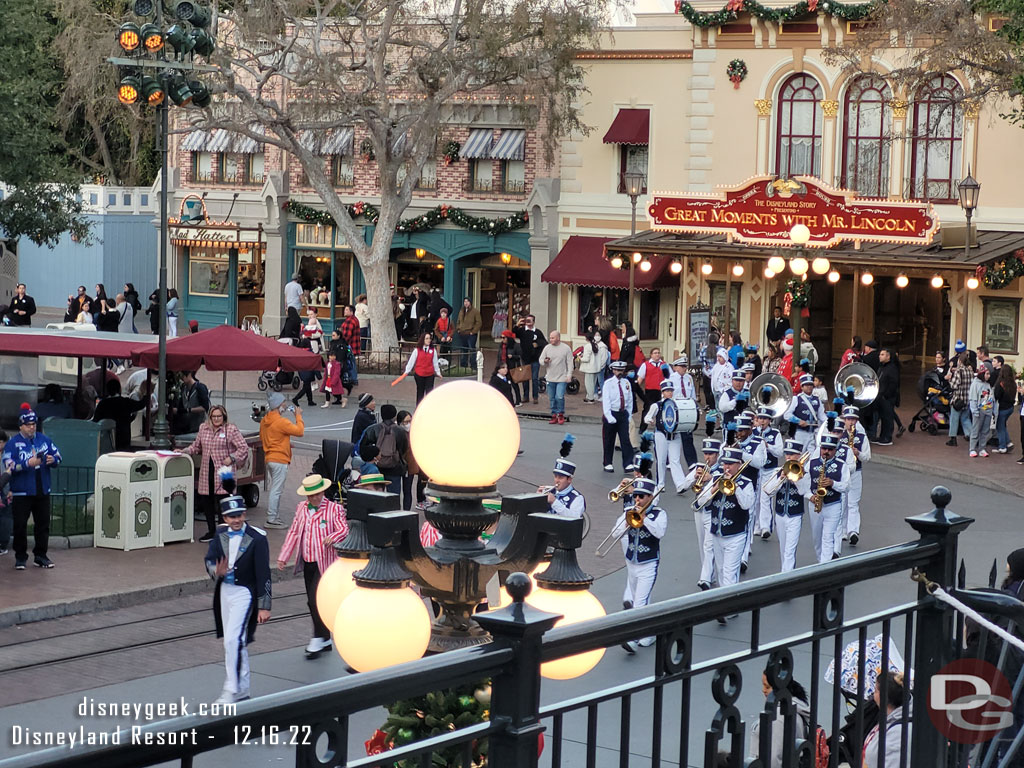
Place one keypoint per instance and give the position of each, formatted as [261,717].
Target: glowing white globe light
[706,268]
[800,234]
[505,599]
[769,273]
[676,267]
[972,283]
[798,265]
[575,606]
[867,278]
[645,266]
[937,281]
[833,276]
[737,270]
[902,281]
[820,265]
[335,584]
[478,420]
[637,256]
[776,264]
[377,628]
[617,262]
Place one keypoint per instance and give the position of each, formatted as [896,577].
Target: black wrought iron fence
[453,361]
[70,489]
[661,715]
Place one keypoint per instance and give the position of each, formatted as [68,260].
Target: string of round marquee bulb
[776,264]
[902,281]
[676,267]
[645,266]
[867,278]
[820,265]
[834,277]
[706,268]
[972,283]
[938,282]
[799,264]
[737,270]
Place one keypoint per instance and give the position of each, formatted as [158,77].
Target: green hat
[313,484]
[372,478]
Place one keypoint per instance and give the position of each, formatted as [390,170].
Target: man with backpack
[392,443]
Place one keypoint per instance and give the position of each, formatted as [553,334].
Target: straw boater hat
[372,478]
[313,484]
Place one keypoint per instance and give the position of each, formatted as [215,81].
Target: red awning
[226,348]
[630,126]
[32,342]
[581,262]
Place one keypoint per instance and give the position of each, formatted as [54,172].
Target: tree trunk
[378,294]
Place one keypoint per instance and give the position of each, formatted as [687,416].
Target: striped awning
[310,141]
[338,142]
[398,148]
[196,141]
[478,145]
[247,145]
[511,145]
[222,140]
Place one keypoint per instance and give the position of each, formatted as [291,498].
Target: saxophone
[820,491]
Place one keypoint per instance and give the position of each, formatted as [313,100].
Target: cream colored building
[791,114]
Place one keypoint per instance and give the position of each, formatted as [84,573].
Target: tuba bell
[857,384]
[773,392]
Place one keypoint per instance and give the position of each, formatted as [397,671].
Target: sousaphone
[857,383]
[771,391]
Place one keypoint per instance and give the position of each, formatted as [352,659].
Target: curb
[961,477]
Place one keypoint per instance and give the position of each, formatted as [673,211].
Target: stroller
[936,394]
[276,380]
[331,464]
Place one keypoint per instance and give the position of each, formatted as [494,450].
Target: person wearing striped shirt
[318,525]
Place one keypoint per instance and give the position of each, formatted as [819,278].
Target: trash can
[127,500]
[177,495]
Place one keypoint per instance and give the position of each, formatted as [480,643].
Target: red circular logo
[970,701]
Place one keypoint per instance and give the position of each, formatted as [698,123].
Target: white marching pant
[729,555]
[826,531]
[668,452]
[766,513]
[788,528]
[752,519]
[640,579]
[235,602]
[851,500]
[706,546]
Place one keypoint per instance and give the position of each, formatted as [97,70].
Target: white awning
[510,146]
[196,141]
[220,141]
[478,145]
[246,145]
[399,146]
[338,142]
[310,141]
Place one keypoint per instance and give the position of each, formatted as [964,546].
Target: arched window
[798,130]
[938,140]
[866,137]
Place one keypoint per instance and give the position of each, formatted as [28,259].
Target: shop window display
[208,273]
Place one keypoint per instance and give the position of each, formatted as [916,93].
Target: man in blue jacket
[238,559]
[28,456]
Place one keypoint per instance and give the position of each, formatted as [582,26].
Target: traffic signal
[128,37]
[129,88]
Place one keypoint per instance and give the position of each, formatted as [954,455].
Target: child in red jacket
[332,382]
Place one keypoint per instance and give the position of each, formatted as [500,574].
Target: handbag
[521,373]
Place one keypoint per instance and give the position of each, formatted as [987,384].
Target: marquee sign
[763,210]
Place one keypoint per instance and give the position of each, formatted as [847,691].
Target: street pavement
[46,697]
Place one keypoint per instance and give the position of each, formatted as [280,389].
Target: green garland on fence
[421,223]
[800,291]
[732,10]
[1003,273]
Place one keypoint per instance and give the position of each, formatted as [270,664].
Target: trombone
[615,494]
[791,470]
[633,521]
[725,485]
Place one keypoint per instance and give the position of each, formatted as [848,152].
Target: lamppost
[634,183]
[969,190]
[189,36]
[379,619]
[799,235]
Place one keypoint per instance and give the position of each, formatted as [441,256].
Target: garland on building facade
[421,223]
[731,11]
[1001,274]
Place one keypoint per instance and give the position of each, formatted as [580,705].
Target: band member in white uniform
[642,550]
[755,454]
[834,426]
[773,443]
[729,516]
[734,400]
[861,452]
[563,498]
[788,500]
[684,389]
[662,417]
[806,412]
[704,474]
[834,480]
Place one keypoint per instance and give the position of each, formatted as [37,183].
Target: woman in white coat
[592,363]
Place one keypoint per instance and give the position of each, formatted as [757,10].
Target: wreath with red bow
[737,72]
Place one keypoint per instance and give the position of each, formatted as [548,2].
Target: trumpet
[791,470]
[705,473]
[633,521]
[546,489]
[615,494]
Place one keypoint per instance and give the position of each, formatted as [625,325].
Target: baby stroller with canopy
[332,464]
[935,393]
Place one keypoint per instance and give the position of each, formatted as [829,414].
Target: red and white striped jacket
[313,534]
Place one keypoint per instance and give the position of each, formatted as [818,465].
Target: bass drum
[686,415]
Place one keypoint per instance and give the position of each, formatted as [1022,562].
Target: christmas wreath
[421,223]
[1003,273]
[799,292]
[366,150]
[451,152]
[737,72]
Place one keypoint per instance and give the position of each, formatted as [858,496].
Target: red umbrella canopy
[226,348]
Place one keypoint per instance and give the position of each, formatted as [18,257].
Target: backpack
[822,752]
[387,443]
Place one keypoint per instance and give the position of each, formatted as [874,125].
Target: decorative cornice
[635,54]
[972,109]
[763,107]
[830,107]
